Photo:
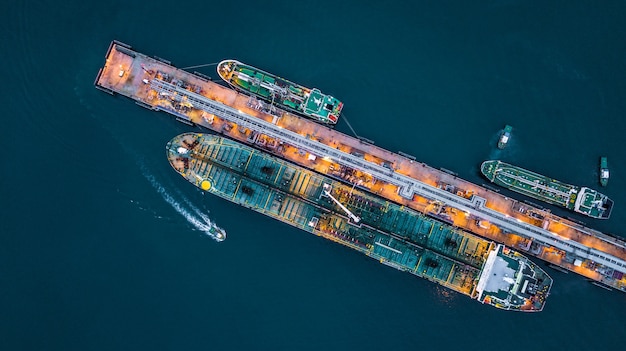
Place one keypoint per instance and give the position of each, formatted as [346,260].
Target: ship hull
[390,233]
[578,199]
[308,102]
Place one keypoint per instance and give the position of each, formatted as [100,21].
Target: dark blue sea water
[100,246]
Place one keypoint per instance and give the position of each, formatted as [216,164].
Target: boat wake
[196,210]
[195,217]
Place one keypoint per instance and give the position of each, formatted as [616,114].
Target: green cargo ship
[390,233]
[579,199]
[311,103]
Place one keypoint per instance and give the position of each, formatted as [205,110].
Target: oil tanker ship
[216,232]
[392,234]
[311,103]
[398,177]
[579,199]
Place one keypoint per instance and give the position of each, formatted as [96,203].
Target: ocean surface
[103,245]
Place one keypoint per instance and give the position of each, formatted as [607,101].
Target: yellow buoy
[205,185]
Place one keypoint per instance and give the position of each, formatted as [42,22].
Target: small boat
[504,138]
[604,171]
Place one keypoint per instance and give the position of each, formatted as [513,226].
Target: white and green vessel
[285,94]
[578,199]
[505,136]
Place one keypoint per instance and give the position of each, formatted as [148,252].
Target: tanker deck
[194,99]
[395,235]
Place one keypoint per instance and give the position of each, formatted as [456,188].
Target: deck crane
[352,216]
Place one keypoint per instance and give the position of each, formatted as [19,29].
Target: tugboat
[504,138]
[604,171]
[491,273]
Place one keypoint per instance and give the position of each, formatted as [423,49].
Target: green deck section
[294,195]
[314,103]
[394,235]
[530,183]
[308,102]
[582,200]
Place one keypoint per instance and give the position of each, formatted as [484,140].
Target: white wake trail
[198,211]
[200,222]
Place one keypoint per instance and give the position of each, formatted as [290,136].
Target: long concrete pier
[408,187]
[194,99]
